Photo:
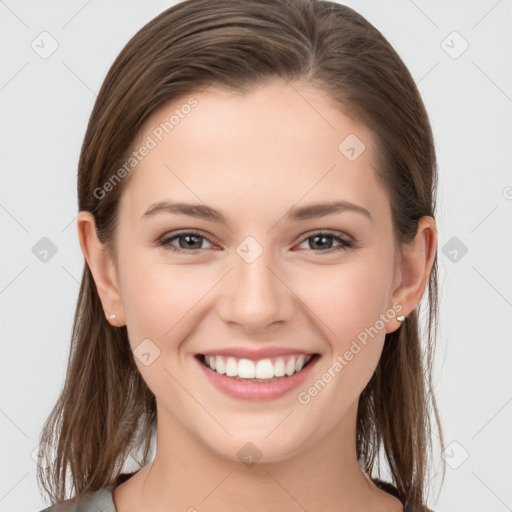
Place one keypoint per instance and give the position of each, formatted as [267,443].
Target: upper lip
[256,354]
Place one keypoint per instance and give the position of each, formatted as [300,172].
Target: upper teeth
[262,369]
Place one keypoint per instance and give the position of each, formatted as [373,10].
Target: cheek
[347,298]
[161,306]
[349,301]
[157,297]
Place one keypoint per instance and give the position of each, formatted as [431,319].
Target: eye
[189,241]
[323,239]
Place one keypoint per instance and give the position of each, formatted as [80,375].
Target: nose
[256,295]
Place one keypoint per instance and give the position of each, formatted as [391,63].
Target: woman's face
[260,279]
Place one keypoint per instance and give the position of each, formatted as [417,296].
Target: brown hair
[105,410]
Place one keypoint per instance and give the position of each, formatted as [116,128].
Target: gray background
[46,101]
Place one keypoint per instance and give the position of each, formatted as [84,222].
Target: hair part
[105,410]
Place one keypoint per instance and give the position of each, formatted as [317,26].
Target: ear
[413,269]
[102,268]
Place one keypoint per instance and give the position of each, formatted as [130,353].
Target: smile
[263,370]
[261,379]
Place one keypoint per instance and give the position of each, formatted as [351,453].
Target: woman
[257,198]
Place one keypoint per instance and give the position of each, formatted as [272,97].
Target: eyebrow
[202,211]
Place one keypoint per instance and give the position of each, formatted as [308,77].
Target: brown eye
[188,241]
[322,241]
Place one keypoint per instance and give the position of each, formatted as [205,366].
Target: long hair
[105,411]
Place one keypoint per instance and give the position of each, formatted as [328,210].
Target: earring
[400,318]
[112,316]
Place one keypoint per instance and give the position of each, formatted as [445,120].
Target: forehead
[274,145]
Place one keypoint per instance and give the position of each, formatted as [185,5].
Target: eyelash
[345,244]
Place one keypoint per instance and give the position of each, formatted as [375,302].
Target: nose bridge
[257,297]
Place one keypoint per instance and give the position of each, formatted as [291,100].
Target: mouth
[258,371]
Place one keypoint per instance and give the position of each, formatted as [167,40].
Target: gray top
[98,501]
[102,500]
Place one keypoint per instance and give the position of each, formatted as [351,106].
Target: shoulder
[391,489]
[97,501]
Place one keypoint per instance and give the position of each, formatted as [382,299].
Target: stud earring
[112,316]
[400,318]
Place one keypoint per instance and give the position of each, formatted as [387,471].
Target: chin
[255,445]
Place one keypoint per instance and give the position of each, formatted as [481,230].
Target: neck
[186,475]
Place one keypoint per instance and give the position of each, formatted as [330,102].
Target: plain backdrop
[54,57]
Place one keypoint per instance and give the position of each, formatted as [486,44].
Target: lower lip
[257,390]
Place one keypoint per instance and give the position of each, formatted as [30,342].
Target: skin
[254,157]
